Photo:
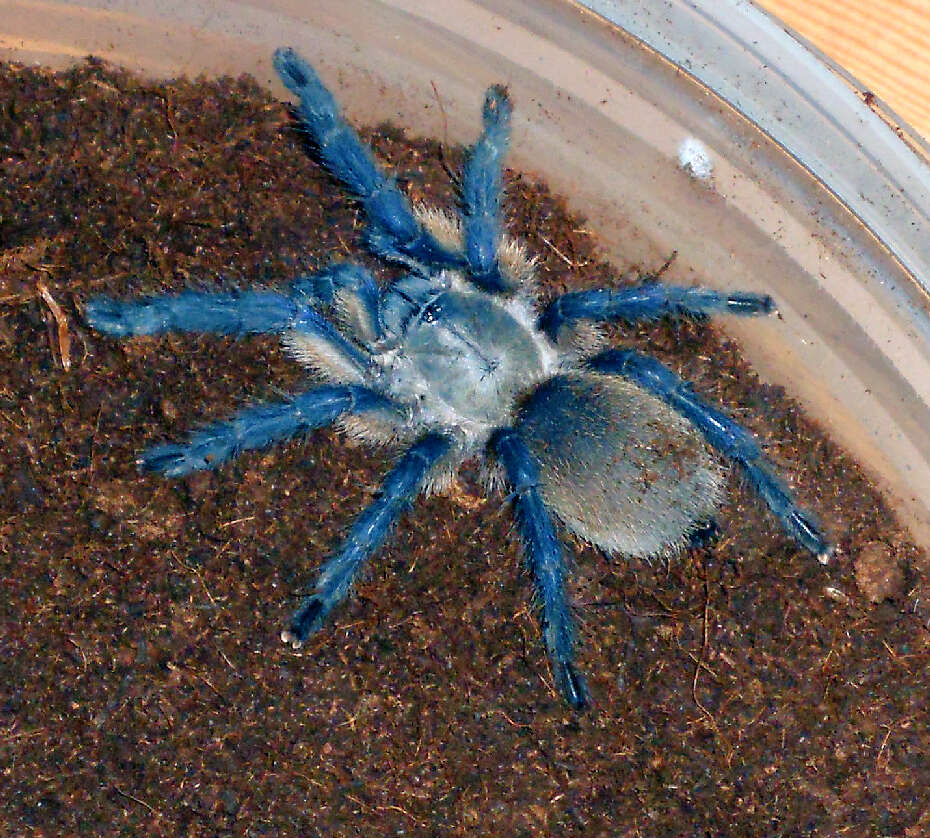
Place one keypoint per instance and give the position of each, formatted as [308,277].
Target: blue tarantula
[454,361]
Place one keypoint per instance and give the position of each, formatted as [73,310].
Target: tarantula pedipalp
[454,361]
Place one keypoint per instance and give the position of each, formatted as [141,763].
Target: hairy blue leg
[481,192]
[239,312]
[400,487]
[354,292]
[544,557]
[312,336]
[317,342]
[323,285]
[648,301]
[194,311]
[261,425]
[723,434]
[394,231]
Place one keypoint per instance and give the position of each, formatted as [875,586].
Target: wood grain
[885,44]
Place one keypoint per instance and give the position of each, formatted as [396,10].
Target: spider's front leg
[335,579]
[394,230]
[545,560]
[481,193]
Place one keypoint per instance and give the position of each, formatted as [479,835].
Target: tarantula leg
[481,193]
[648,301]
[316,343]
[544,557]
[400,487]
[725,435]
[352,290]
[394,231]
[261,425]
[194,311]
[350,287]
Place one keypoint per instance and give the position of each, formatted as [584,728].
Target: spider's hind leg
[335,578]
[723,434]
[394,231]
[545,559]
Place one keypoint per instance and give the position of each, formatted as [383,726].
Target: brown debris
[64,336]
[878,573]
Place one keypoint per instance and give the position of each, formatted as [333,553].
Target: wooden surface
[885,44]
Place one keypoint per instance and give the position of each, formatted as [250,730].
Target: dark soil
[741,690]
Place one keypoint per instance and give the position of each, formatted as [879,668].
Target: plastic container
[812,197]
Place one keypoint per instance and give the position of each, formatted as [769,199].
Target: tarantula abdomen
[617,465]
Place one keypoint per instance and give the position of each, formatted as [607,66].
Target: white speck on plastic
[695,159]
